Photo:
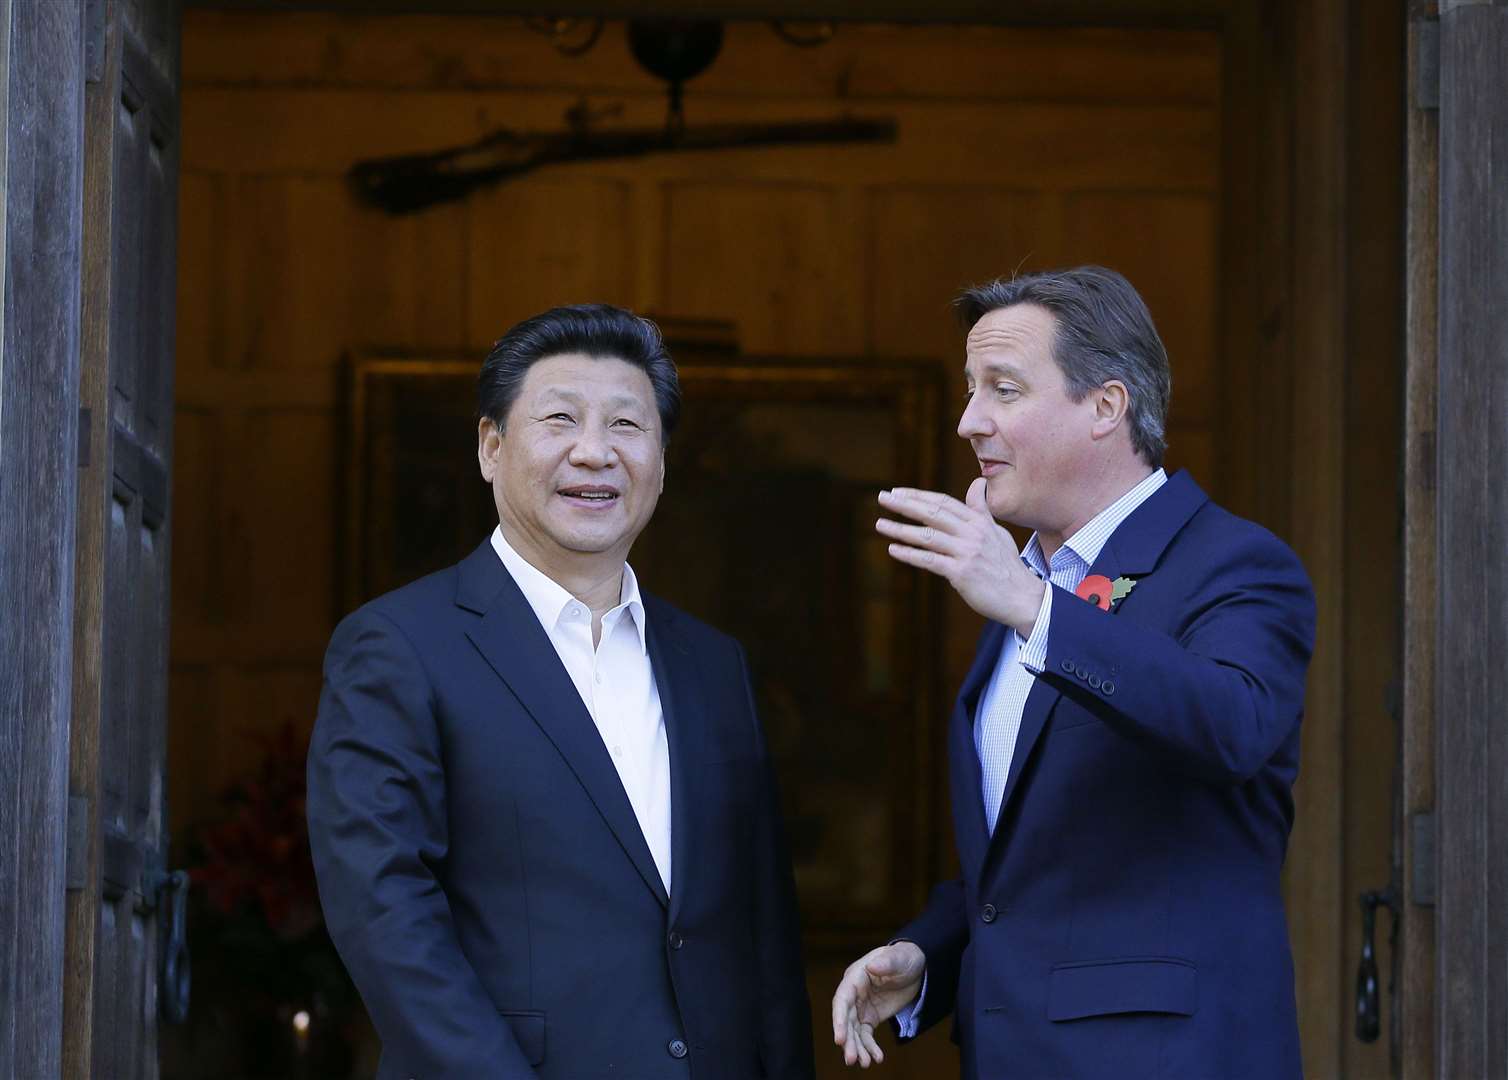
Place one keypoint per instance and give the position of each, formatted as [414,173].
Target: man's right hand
[875,987]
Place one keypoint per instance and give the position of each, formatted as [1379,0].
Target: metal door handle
[1368,1007]
[175,977]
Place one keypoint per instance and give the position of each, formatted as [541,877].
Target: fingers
[845,1004]
[852,990]
[928,507]
[853,1033]
[919,536]
[923,559]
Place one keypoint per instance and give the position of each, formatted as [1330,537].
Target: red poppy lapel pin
[1096,588]
[1104,593]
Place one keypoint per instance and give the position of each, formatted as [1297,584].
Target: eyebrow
[998,368]
[568,394]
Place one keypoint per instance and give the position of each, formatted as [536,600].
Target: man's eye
[559,416]
[624,421]
[1006,391]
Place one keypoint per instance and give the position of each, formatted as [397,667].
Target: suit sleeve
[1218,698]
[377,828]
[784,1010]
[941,931]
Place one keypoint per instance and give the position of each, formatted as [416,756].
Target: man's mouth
[991,466]
[589,494]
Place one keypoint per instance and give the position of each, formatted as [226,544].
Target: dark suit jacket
[484,876]
[1125,918]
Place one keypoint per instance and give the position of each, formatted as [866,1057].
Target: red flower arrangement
[256,860]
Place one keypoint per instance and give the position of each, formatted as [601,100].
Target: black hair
[601,331]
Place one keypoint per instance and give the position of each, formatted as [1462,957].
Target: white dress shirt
[997,721]
[616,684]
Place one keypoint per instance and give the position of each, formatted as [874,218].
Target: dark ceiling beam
[1162,13]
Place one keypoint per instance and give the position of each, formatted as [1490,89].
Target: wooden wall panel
[531,243]
[930,242]
[783,263]
[198,594]
[201,227]
[327,275]
[1374,418]
[1313,874]
[1166,244]
[280,597]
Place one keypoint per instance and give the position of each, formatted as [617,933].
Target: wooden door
[118,947]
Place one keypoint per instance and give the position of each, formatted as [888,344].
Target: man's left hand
[962,542]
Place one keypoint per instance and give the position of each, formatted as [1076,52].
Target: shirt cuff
[1033,651]
[909,1018]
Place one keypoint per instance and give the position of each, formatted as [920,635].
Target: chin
[1001,504]
[592,541]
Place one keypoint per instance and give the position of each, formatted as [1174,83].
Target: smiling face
[1035,444]
[579,465]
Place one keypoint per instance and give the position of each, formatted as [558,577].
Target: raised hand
[962,542]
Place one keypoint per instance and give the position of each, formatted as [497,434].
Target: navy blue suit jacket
[484,876]
[1125,919]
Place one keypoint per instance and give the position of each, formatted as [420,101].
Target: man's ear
[1110,404]
[664,467]
[489,447]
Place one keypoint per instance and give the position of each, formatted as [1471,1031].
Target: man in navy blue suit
[1123,749]
[540,804]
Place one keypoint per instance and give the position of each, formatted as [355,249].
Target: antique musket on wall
[411,182]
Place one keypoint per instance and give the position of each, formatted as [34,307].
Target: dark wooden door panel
[118,759]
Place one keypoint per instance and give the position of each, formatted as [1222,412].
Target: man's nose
[593,449]
[973,421]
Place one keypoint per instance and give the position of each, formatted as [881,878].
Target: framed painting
[765,530]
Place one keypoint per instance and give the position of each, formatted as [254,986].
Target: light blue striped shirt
[997,721]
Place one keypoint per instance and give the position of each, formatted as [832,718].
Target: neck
[594,578]
[1100,489]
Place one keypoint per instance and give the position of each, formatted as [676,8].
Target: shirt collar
[550,600]
[1089,541]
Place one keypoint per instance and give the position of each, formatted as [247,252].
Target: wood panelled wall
[1017,149]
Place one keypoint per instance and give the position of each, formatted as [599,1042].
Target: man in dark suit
[540,803]
[1124,747]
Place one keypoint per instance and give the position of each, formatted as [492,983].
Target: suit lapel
[968,807]
[509,637]
[683,704]
[1039,704]
[1133,549]
[1136,547]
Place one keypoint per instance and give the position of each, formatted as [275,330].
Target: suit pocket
[528,1031]
[1132,985]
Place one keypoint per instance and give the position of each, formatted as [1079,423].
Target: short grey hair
[1104,332]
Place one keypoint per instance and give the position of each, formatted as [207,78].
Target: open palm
[875,987]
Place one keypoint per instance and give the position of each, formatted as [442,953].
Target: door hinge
[76,859]
[1427,63]
[1422,858]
